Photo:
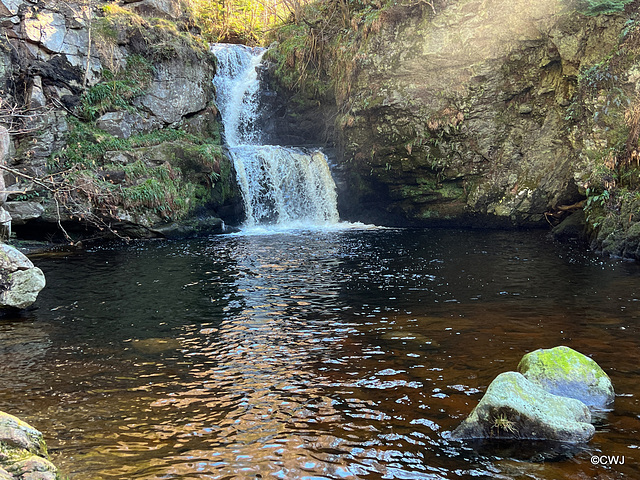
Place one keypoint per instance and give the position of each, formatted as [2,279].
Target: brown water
[337,355]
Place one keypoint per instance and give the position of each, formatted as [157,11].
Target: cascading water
[286,186]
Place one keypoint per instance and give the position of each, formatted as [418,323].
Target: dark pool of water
[341,355]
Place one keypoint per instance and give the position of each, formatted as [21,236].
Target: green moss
[156,39]
[12,454]
[565,372]
[601,7]
[191,168]
[87,144]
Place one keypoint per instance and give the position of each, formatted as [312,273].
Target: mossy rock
[565,372]
[16,434]
[514,407]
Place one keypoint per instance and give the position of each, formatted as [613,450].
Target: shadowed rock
[514,407]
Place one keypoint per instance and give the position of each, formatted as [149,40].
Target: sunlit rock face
[463,116]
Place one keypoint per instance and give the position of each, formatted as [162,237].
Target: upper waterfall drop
[284,186]
[237,87]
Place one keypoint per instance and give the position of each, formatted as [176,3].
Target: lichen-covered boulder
[20,280]
[565,372]
[16,434]
[514,407]
[23,452]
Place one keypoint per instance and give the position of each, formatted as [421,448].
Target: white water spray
[285,186]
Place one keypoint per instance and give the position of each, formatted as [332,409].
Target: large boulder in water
[514,407]
[20,280]
[565,372]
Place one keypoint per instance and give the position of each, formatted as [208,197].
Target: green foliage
[155,39]
[166,190]
[157,189]
[601,7]
[318,49]
[240,21]
[117,90]
[109,96]
[595,206]
[87,144]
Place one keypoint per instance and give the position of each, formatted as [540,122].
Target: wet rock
[514,407]
[565,372]
[571,228]
[190,229]
[20,280]
[22,212]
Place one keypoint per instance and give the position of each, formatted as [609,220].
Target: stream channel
[328,354]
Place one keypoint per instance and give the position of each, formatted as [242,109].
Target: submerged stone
[514,407]
[565,372]
[155,345]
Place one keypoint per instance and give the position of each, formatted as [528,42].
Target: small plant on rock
[501,422]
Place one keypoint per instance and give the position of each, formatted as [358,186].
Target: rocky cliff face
[479,113]
[120,97]
[462,116]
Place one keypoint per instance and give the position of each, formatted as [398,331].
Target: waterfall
[285,186]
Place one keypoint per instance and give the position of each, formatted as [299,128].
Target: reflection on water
[317,355]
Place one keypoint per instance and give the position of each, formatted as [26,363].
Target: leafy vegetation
[155,39]
[117,90]
[243,21]
[140,186]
